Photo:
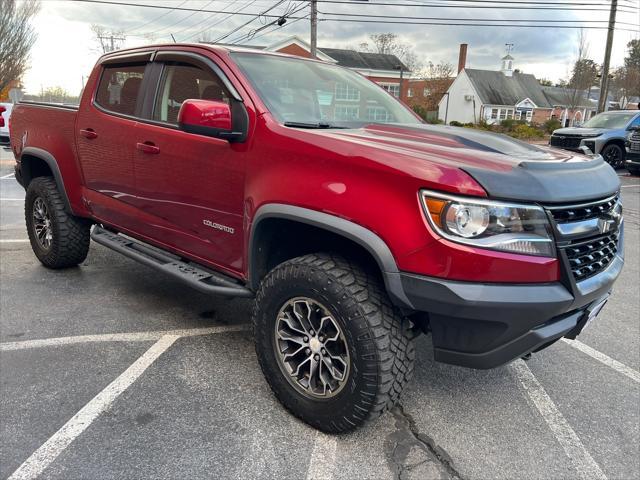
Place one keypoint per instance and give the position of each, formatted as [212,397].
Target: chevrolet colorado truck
[352,224]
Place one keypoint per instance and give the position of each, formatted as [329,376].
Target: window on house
[346,92]
[378,114]
[529,115]
[392,88]
[410,92]
[346,112]
[509,113]
[503,114]
[119,88]
[494,113]
[181,82]
[426,92]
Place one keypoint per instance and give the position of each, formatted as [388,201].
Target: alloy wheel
[42,224]
[311,348]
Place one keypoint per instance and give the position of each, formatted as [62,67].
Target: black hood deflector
[549,182]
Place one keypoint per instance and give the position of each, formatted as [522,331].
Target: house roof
[372,61]
[563,96]
[495,88]
[343,57]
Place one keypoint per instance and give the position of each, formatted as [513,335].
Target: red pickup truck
[354,225]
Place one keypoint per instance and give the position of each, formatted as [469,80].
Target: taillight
[2,110]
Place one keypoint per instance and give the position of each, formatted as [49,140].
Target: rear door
[190,187]
[105,139]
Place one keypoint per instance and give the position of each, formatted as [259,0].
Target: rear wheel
[331,345]
[613,154]
[58,238]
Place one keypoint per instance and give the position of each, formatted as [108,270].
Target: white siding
[460,110]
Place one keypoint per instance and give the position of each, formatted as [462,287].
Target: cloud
[66,49]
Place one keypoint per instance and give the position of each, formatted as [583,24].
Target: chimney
[462,58]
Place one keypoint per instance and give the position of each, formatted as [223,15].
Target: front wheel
[331,345]
[613,154]
[58,238]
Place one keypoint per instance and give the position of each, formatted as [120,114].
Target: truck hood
[506,168]
[583,132]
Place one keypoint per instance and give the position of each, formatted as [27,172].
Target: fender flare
[53,165]
[362,236]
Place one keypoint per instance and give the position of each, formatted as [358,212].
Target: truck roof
[218,47]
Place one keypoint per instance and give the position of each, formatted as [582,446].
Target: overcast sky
[66,49]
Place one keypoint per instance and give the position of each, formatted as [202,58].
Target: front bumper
[485,326]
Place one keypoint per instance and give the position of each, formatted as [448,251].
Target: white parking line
[629,186]
[14,240]
[586,466]
[11,199]
[323,456]
[8,176]
[119,337]
[607,360]
[60,440]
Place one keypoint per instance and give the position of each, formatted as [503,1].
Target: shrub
[526,132]
[551,125]
[455,123]
[510,124]
[420,110]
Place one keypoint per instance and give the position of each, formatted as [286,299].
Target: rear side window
[119,88]
[181,82]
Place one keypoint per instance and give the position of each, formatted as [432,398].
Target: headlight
[507,227]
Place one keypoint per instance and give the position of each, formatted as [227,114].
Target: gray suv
[604,133]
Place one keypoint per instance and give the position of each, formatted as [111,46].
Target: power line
[471,19]
[193,12]
[492,7]
[156,18]
[449,24]
[277,4]
[252,34]
[219,21]
[164,7]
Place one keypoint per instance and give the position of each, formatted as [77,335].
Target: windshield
[609,120]
[301,92]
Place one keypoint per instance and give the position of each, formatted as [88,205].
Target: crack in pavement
[414,454]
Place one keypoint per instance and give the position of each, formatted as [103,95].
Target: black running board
[192,274]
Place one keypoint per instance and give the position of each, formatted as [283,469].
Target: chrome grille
[592,256]
[584,211]
[592,251]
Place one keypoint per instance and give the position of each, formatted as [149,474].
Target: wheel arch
[266,248]
[36,162]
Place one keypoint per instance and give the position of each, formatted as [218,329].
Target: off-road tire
[380,341]
[70,234]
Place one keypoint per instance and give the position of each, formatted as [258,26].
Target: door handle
[147,147]
[89,133]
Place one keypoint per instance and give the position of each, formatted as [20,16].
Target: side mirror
[207,117]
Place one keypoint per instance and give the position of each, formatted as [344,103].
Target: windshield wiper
[311,125]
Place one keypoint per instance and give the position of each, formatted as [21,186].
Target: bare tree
[17,36]
[626,79]
[583,75]
[107,40]
[389,44]
[439,71]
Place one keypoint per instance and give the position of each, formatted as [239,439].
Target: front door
[106,144]
[190,188]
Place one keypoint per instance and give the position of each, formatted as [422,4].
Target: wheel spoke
[303,330]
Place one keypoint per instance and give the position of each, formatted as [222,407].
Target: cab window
[180,82]
[119,88]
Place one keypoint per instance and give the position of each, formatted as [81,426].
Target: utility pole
[314,28]
[109,42]
[604,80]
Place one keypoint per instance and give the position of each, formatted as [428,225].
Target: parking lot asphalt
[110,370]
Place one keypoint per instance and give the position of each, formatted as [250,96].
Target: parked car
[633,152]
[352,224]
[5,113]
[604,133]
